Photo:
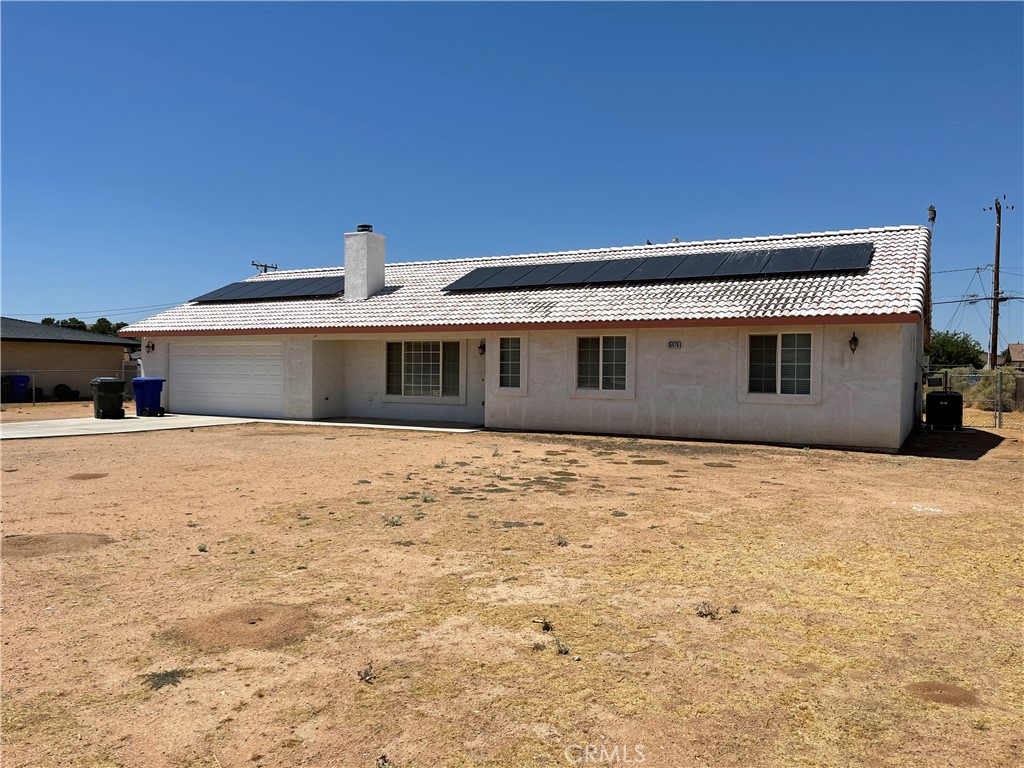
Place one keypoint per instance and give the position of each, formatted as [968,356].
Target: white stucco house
[812,339]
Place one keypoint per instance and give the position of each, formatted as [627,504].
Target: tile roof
[413,296]
[12,329]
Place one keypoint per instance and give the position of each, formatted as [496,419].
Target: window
[780,363]
[601,362]
[423,368]
[509,364]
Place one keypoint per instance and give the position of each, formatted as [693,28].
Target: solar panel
[215,295]
[784,260]
[615,271]
[740,263]
[471,280]
[540,275]
[836,258]
[505,277]
[575,273]
[697,265]
[656,268]
[291,288]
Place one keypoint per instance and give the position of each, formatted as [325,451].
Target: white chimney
[364,263]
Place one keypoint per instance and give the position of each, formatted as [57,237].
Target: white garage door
[226,379]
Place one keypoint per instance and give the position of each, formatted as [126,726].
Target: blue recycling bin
[147,395]
[16,388]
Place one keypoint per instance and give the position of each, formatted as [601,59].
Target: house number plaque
[675,345]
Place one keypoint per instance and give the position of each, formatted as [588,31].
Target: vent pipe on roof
[364,263]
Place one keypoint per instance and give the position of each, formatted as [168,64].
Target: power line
[93,311]
[985,268]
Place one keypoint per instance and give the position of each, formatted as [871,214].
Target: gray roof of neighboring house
[12,329]
[414,296]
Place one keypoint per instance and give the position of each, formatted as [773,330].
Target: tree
[102,325]
[954,349]
[48,321]
[73,322]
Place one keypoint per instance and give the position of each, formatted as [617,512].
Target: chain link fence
[992,399]
[67,384]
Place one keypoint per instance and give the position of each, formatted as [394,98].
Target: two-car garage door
[240,379]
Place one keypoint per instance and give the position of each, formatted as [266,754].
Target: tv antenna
[264,267]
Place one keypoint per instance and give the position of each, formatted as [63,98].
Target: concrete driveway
[20,430]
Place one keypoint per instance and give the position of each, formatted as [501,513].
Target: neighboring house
[809,339]
[54,355]
[1015,356]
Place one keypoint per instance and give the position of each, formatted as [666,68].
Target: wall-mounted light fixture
[482,347]
[854,342]
[150,346]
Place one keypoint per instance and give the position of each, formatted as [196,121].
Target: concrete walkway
[20,430]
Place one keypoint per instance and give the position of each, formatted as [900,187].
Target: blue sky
[152,151]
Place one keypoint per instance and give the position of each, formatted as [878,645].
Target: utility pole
[264,267]
[993,350]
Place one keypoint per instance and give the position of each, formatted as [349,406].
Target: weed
[471,516]
[735,609]
[383,762]
[708,611]
[562,648]
[538,522]
[367,674]
[497,452]
[203,548]
[513,524]
[157,680]
[405,543]
[302,517]
[364,482]
[441,464]
[562,541]
[618,513]
[192,525]
[408,496]
[394,521]
[364,501]
[427,498]
[539,646]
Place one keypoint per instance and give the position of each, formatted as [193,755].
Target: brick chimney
[364,263]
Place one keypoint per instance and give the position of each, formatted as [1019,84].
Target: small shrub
[393,521]
[367,674]
[562,541]
[513,524]
[383,762]
[734,610]
[203,548]
[708,611]
[618,513]
[157,680]
[539,646]
[562,648]
[441,464]
[405,543]
[427,498]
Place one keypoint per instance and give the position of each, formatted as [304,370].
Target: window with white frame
[423,368]
[779,364]
[601,362]
[509,362]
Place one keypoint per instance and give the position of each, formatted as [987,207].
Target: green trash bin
[107,398]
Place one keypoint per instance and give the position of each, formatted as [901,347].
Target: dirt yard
[272,595]
[79,409]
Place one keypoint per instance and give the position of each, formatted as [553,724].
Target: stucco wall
[54,363]
[699,390]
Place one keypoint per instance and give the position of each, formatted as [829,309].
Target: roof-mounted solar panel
[694,266]
[290,288]
[841,258]
[656,268]
[697,265]
[542,274]
[742,263]
[576,273]
[471,280]
[783,260]
[505,277]
[615,271]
